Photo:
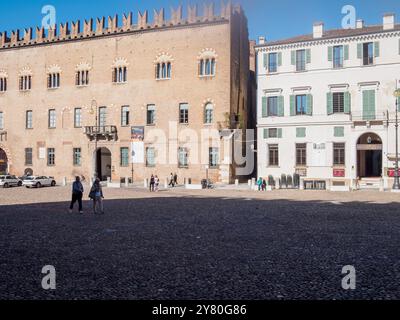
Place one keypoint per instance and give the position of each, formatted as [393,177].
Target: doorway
[3,162]
[369,156]
[103,163]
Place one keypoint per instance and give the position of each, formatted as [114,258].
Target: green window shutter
[330,53]
[376,49]
[265,60]
[266,133]
[309,104]
[329,103]
[279,59]
[293,58]
[308,55]
[281,106]
[280,133]
[292,105]
[359,50]
[338,132]
[346,52]
[369,104]
[300,132]
[347,102]
[264,107]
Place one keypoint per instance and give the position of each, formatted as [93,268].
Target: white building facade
[326,109]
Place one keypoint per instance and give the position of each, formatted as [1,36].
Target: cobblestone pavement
[218,244]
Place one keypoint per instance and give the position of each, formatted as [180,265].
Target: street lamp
[396,185]
[94,109]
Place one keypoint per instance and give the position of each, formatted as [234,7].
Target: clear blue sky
[273,19]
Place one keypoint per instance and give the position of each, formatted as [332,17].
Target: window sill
[52,128]
[163,79]
[207,76]
[184,124]
[150,125]
[25,91]
[120,83]
[53,89]
[183,167]
[150,165]
[273,167]
[82,86]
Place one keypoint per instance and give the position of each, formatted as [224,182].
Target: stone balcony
[364,119]
[108,133]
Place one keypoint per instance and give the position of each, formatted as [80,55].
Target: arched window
[82,74]
[209,113]
[120,71]
[53,77]
[207,67]
[163,70]
[25,79]
[3,84]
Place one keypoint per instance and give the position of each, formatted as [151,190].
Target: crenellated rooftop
[76,30]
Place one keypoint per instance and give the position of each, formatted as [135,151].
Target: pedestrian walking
[96,194]
[152,183]
[171,180]
[259,183]
[175,179]
[157,183]
[77,195]
[264,185]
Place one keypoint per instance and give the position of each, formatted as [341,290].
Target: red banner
[339,173]
[391,172]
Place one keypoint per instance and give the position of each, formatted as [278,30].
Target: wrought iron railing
[108,132]
[3,135]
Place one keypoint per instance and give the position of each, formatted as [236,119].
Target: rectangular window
[28,156]
[183,158]
[29,119]
[301,104]
[273,133]
[77,156]
[339,154]
[51,156]
[338,57]
[1,121]
[102,116]
[150,157]
[52,118]
[272,106]
[214,156]
[300,60]
[301,154]
[125,116]
[273,155]
[3,84]
[338,102]
[151,115]
[183,113]
[368,53]
[273,62]
[124,157]
[78,117]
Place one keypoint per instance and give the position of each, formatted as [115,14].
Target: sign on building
[137,133]
[137,150]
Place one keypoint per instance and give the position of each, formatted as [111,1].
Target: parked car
[39,181]
[7,181]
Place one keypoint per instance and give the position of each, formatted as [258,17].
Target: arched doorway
[3,162]
[103,163]
[369,156]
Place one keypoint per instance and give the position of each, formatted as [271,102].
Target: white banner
[137,152]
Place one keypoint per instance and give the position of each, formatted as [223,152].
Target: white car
[39,181]
[9,181]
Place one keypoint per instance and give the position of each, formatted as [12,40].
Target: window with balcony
[368,53]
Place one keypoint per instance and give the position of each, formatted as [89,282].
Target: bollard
[249,183]
[108,180]
[145,183]
[166,183]
[126,182]
[64,182]
[237,182]
[301,183]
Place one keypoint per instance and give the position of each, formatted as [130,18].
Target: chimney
[360,24]
[318,30]
[261,40]
[388,21]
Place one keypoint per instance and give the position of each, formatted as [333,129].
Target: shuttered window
[369,104]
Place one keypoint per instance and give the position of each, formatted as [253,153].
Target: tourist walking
[175,179]
[152,183]
[264,185]
[96,194]
[77,195]
[157,183]
[171,180]
[259,184]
